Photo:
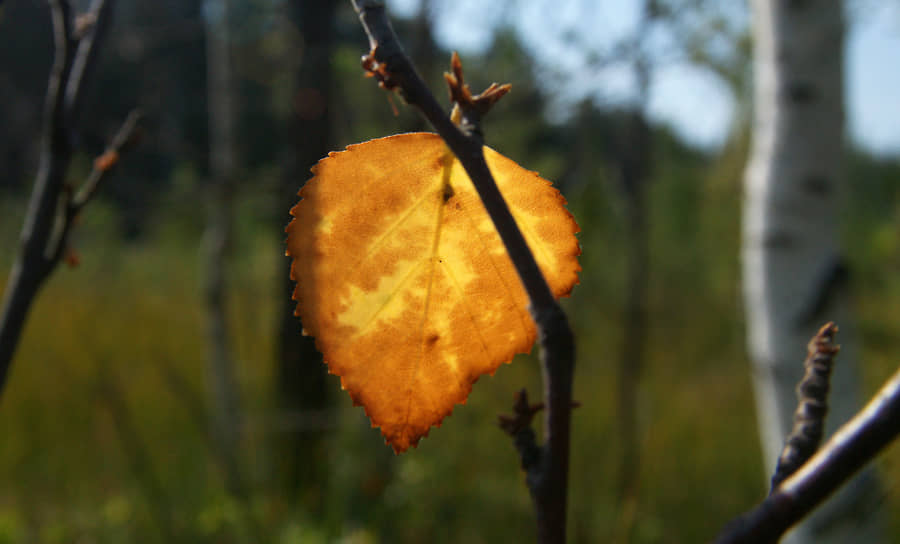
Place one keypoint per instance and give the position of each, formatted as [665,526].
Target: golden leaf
[404,282]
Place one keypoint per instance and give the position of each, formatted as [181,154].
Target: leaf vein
[469,313]
[524,318]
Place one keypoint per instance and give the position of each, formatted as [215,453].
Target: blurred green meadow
[104,421]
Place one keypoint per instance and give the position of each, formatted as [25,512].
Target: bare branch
[851,448]
[52,207]
[55,145]
[90,39]
[123,141]
[548,480]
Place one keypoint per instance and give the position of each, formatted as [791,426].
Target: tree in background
[218,239]
[795,276]
[300,373]
[695,30]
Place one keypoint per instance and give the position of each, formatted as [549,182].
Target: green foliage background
[104,422]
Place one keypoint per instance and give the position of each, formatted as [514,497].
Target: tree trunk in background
[795,277]
[633,157]
[217,239]
[301,374]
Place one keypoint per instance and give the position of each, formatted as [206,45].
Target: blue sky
[698,105]
[873,78]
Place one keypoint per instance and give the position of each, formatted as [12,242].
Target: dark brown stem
[548,479]
[848,450]
[51,209]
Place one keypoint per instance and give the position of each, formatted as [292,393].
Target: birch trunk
[794,274]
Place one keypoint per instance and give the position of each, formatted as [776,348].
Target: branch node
[518,425]
[84,24]
[127,137]
[523,413]
[379,71]
[106,160]
[468,109]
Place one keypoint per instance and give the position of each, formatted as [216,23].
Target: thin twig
[124,140]
[849,449]
[90,38]
[812,405]
[547,479]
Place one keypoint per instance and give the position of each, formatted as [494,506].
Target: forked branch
[54,204]
[548,476]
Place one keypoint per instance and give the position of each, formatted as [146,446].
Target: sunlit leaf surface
[405,284]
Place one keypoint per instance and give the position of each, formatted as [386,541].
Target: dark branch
[93,30]
[850,449]
[53,205]
[548,479]
[55,145]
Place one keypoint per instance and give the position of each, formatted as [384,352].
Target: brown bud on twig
[469,108]
[518,426]
[523,413]
[84,23]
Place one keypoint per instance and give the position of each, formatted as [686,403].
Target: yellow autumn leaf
[404,282]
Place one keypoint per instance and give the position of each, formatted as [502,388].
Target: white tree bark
[794,274]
